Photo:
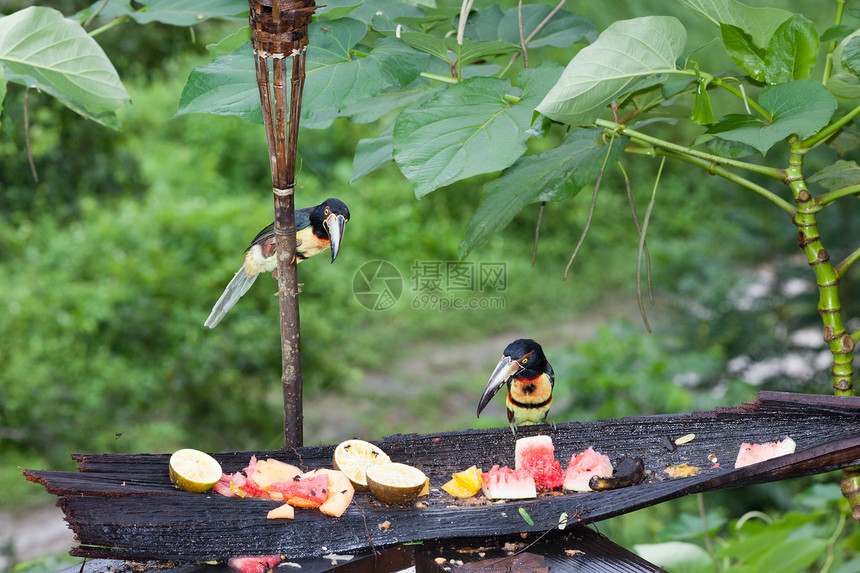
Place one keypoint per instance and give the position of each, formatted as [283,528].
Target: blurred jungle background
[110,263]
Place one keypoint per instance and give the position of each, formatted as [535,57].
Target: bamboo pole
[279,30]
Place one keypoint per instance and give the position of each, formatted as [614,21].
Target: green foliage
[623,55]
[41,49]
[801,107]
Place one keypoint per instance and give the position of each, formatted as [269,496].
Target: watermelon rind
[505,483]
[754,453]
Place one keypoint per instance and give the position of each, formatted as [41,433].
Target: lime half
[193,470]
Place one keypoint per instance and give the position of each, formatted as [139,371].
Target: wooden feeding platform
[123,506]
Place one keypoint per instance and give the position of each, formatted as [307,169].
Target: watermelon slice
[754,453]
[584,465]
[303,492]
[536,455]
[505,483]
[255,564]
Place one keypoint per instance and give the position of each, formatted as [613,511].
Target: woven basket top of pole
[280,27]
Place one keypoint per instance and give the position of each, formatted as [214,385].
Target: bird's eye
[327,212]
[525,360]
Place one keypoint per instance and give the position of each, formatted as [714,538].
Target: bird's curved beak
[335,225]
[506,368]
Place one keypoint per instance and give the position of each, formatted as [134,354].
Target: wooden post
[279,30]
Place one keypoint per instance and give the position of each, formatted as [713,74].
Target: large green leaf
[42,49]
[225,86]
[469,129]
[837,175]
[759,23]
[188,12]
[335,78]
[380,14]
[374,108]
[801,107]
[372,153]
[621,57]
[844,81]
[565,28]
[790,54]
[335,9]
[554,175]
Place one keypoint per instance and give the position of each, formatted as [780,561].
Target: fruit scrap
[629,470]
[754,453]
[682,470]
[255,564]
[583,466]
[284,511]
[465,483]
[535,454]
[192,470]
[684,439]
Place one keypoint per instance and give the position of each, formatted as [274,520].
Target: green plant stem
[722,172]
[846,263]
[828,60]
[439,78]
[826,275]
[109,25]
[825,133]
[740,95]
[828,198]
[831,544]
[680,149]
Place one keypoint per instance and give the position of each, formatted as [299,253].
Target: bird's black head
[328,220]
[528,354]
[524,360]
[328,207]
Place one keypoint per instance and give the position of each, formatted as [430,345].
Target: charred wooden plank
[135,524]
[581,550]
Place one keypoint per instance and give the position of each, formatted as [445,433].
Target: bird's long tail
[238,286]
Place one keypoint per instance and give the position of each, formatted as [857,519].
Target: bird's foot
[298,291]
[551,424]
[514,429]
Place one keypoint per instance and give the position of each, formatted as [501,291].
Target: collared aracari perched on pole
[317,229]
[530,380]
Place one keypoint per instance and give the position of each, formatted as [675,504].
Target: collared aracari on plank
[530,380]
[317,229]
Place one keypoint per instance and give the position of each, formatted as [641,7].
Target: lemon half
[193,470]
[353,457]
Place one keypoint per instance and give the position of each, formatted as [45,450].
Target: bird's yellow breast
[308,244]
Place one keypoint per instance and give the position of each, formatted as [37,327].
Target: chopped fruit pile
[465,483]
[353,457]
[328,490]
[193,470]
